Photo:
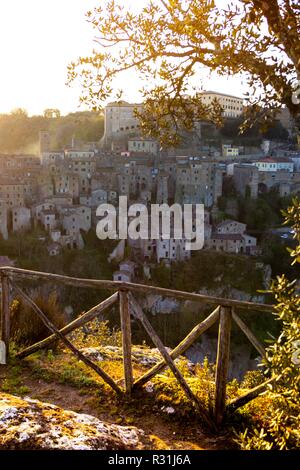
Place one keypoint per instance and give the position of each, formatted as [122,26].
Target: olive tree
[282,362]
[169,43]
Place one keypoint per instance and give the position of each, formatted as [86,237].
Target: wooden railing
[225,310]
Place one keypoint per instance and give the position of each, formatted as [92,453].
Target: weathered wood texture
[5,314]
[126,340]
[138,288]
[80,321]
[185,344]
[139,314]
[246,330]
[67,343]
[244,399]
[222,363]
[124,292]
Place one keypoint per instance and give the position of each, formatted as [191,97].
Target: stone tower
[45,141]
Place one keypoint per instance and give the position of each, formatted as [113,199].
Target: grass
[62,368]
[13,382]
[58,377]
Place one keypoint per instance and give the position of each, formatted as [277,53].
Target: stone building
[76,218]
[37,209]
[143,145]
[67,183]
[126,272]
[45,185]
[79,155]
[233,243]
[233,106]
[230,236]
[283,180]
[21,219]
[3,220]
[172,250]
[244,176]
[52,157]
[120,122]
[198,182]
[60,200]
[133,178]
[49,220]
[230,226]
[162,193]
[14,193]
[275,164]
[54,249]
[122,276]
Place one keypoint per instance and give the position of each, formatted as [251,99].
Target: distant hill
[20,133]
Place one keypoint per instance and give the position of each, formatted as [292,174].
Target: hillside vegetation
[19,133]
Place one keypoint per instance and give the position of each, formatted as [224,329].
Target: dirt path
[165,432]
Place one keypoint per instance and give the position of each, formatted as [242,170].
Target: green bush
[282,430]
[252,379]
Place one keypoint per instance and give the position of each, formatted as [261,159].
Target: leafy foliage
[20,133]
[282,431]
[169,41]
[97,333]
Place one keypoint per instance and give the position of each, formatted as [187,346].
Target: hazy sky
[38,39]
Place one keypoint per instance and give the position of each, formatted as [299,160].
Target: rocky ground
[36,393]
[32,424]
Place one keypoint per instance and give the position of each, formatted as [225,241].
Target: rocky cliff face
[241,358]
[31,424]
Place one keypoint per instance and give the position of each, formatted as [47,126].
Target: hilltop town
[59,190]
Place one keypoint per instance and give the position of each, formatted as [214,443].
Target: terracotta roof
[275,160]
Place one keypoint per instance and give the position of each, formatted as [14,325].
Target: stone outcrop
[31,424]
[142,356]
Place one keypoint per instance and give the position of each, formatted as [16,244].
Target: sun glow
[39,39]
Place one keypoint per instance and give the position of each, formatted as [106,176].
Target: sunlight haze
[39,39]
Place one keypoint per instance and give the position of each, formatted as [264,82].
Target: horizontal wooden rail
[137,288]
[123,291]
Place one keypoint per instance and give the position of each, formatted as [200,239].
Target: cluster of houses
[282,173]
[228,236]
[60,190]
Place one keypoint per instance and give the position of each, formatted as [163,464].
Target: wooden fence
[225,311]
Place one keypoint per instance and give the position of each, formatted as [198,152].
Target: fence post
[5,317]
[126,340]
[222,363]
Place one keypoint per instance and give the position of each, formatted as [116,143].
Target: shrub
[282,430]
[96,333]
[252,379]
[26,326]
